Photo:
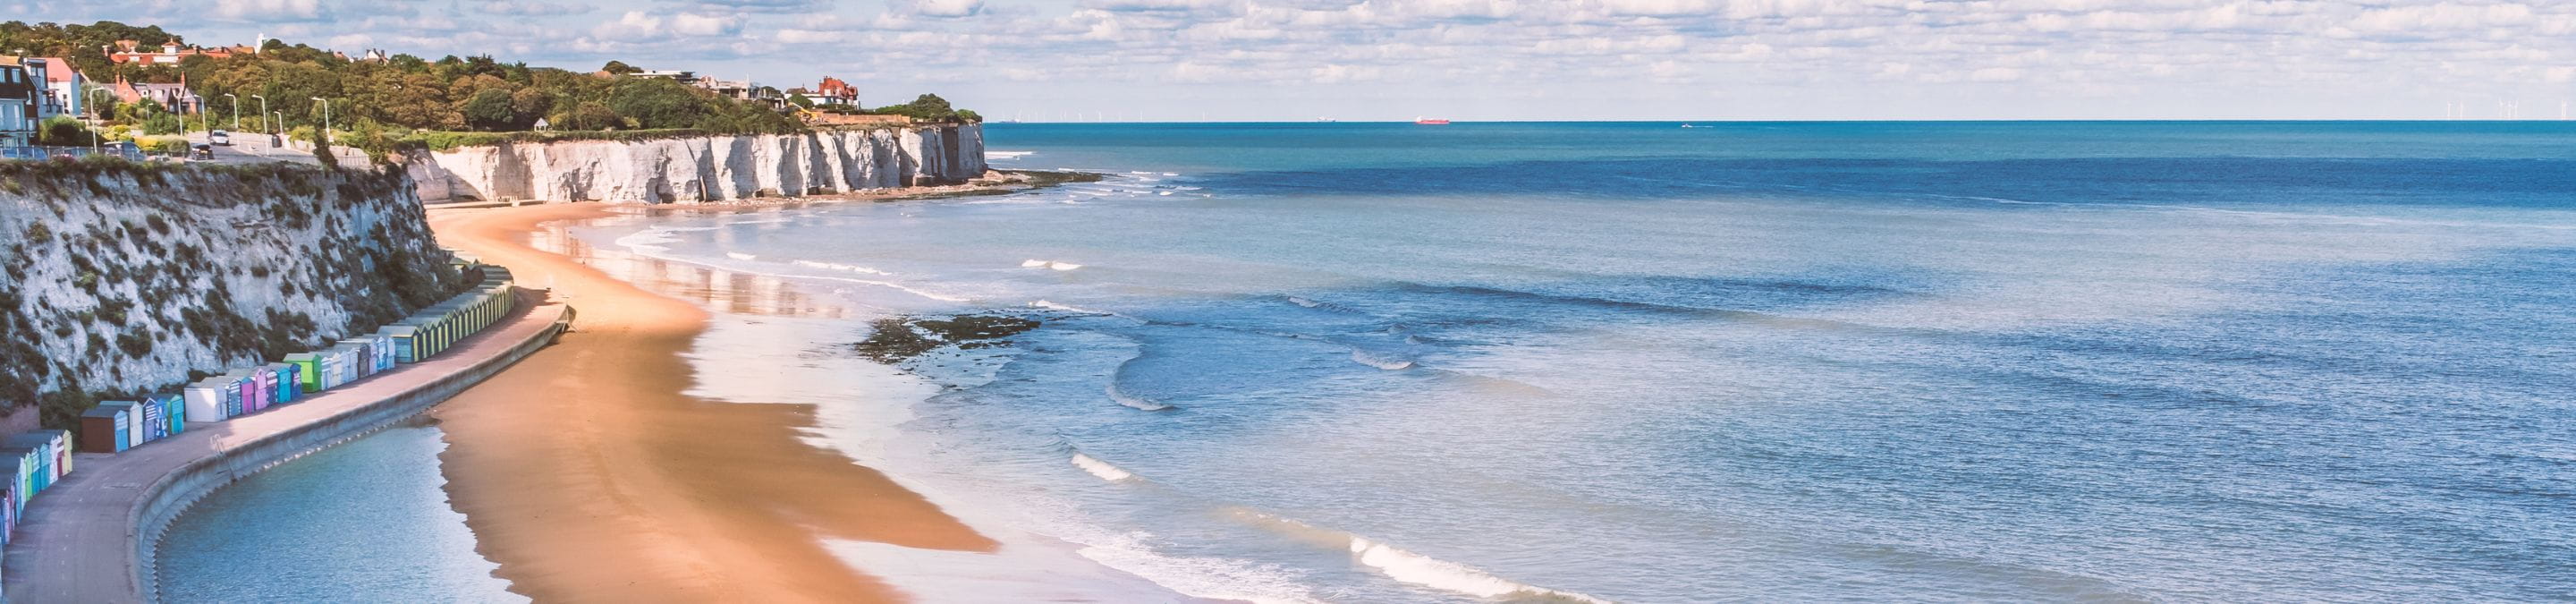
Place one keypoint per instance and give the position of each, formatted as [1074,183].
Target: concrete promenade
[91,537]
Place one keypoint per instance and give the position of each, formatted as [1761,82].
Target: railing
[27,152]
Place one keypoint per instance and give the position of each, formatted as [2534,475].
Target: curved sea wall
[705,168]
[93,537]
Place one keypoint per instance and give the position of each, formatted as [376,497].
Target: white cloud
[634,25]
[268,10]
[945,8]
[1956,57]
[690,24]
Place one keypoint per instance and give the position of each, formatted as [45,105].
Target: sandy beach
[588,475]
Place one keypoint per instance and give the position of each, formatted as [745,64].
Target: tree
[619,68]
[489,110]
[588,116]
[163,123]
[322,152]
[62,130]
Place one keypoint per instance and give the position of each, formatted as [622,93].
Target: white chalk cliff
[706,168]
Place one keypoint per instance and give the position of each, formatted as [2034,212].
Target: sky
[1357,60]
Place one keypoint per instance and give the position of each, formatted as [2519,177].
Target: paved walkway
[81,539]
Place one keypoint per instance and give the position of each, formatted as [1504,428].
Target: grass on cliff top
[60,177]
[438,140]
[449,141]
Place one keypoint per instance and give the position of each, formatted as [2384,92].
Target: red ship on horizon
[1431,121]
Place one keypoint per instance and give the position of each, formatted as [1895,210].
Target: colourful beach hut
[264,389]
[133,423]
[8,512]
[39,448]
[15,498]
[294,375]
[22,465]
[102,429]
[253,397]
[398,342]
[362,355]
[205,400]
[62,441]
[237,386]
[308,370]
[285,375]
[174,411]
[154,425]
[332,373]
[338,358]
[383,346]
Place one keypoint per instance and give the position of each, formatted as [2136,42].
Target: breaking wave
[1101,469]
[741,256]
[1136,401]
[852,268]
[1407,566]
[1371,359]
[1062,266]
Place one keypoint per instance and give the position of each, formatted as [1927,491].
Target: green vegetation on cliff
[126,278]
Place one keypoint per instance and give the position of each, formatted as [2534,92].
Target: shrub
[166,145]
[136,344]
[322,152]
[62,130]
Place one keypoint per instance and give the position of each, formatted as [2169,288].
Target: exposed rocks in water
[897,340]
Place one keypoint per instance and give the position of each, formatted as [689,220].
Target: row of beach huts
[43,457]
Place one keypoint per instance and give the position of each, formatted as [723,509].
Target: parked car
[220,137]
[203,152]
[125,149]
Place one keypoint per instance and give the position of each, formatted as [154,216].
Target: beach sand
[589,477]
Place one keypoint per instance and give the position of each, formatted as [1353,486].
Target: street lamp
[236,111]
[98,124]
[270,127]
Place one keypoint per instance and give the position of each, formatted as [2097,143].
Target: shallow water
[365,521]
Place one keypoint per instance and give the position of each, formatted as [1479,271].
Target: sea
[1668,362]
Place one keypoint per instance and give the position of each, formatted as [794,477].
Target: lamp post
[97,125]
[266,126]
[236,111]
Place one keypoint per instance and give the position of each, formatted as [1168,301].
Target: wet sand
[588,475]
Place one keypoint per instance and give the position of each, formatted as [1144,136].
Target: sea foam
[1100,468]
[1135,401]
[853,268]
[1371,359]
[1403,565]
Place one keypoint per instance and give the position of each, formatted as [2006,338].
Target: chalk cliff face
[704,169]
[121,279]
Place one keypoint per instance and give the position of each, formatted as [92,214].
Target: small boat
[1431,121]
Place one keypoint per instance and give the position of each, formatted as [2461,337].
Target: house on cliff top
[168,53]
[19,101]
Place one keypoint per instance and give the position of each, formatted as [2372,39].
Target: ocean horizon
[1627,361]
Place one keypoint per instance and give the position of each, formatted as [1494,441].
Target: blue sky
[1506,59]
